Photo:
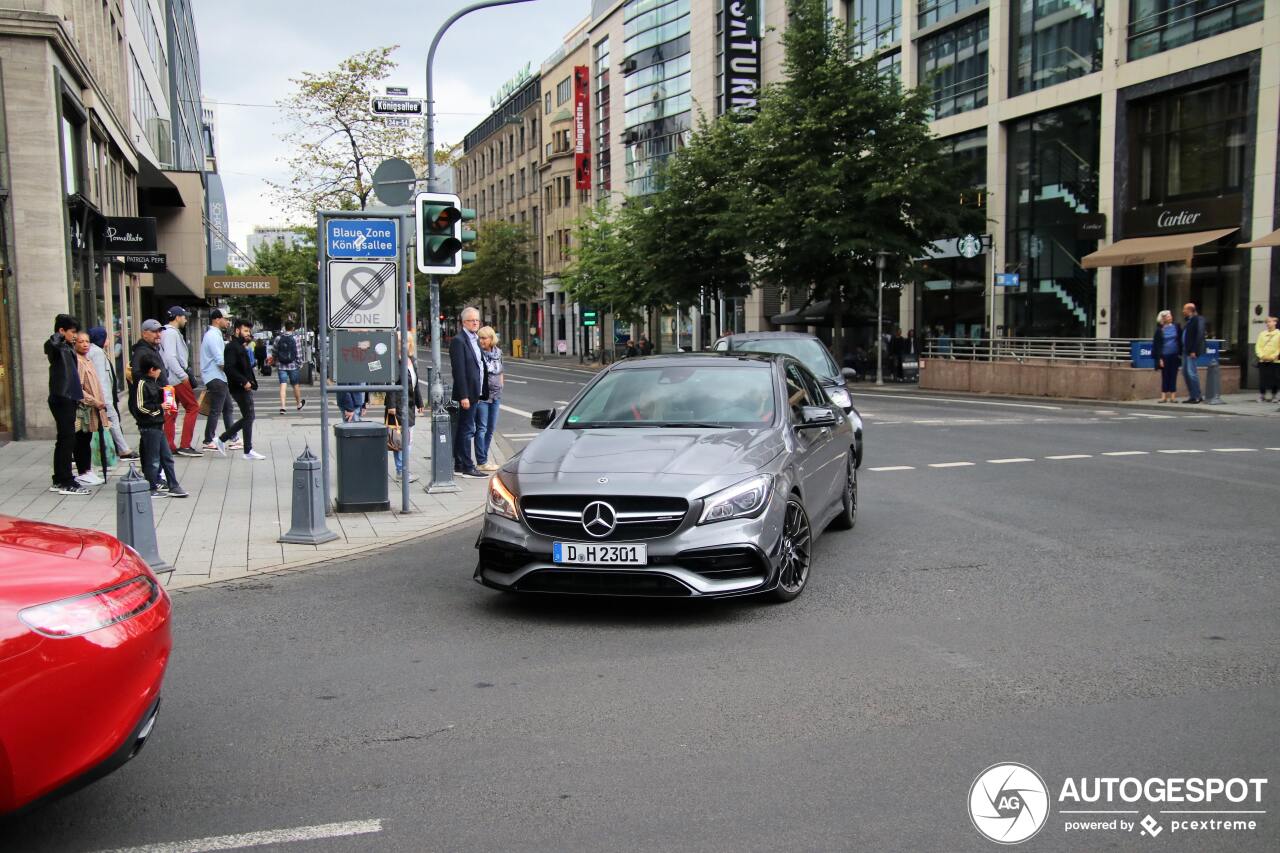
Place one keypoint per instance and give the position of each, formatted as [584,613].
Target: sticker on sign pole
[362,295]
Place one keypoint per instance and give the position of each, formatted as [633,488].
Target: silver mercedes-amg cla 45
[679,475]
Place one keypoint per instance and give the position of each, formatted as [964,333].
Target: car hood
[658,452]
[56,540]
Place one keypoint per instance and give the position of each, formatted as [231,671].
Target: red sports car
[84,642]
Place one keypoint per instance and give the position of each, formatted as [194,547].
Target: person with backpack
[286,357]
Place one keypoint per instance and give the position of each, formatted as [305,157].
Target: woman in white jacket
[107,378]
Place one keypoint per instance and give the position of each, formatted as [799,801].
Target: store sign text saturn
[375,238]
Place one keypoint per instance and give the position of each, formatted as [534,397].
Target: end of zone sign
[362,238]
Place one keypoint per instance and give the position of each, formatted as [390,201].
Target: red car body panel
[67,705]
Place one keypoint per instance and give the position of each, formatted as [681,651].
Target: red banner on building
[582,126]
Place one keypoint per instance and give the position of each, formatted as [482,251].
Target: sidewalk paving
[228,528]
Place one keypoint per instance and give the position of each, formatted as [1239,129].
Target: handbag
[394,443]
[205,403]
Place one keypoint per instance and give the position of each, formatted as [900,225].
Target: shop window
[1054,41]
[953,63]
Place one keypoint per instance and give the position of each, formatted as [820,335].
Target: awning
[1151,250]
[820,314]
[1272,239]
[155,186]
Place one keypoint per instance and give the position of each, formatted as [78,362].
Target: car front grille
[560,516]
[602,583]
[727,563]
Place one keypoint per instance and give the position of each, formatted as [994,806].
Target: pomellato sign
[129,235]
[1182,217]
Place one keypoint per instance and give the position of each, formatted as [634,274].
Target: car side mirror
[542,418]
[848,373]
[815,417]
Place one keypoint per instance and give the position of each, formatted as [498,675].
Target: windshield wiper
[692,424]
[607,425]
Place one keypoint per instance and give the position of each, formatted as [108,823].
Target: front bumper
[728,558]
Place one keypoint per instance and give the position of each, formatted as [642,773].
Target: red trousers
[186,399]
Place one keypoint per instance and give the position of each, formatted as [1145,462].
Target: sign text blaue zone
[362,238]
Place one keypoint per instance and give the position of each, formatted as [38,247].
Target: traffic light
[590,316]
[441,233]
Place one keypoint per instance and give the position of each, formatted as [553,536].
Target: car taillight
[71,617]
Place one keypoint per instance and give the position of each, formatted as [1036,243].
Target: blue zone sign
[362,238]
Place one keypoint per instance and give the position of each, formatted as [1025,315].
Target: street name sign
[241,285]
[396,106]
[362,295]
[362,238]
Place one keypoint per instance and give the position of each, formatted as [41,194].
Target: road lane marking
[520,434]
[1104,412]
[561,402]
[529,379]
[260,839]
[874,394]
[1179,451]
[1154,417]
[1071,456]
[1235,450]
[1127,453]
[1007,461]
[513,410]
[516,381]
[894,468]
[1128,418]
[951,464]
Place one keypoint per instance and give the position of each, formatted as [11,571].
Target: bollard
[135,522]
[442,455]
[308,527]
[1213,386]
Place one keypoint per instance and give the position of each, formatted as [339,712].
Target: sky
[249,50]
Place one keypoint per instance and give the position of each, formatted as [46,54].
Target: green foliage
[291,266]
[609,262]
[502,269]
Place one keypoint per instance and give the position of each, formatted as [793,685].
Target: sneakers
[132,454]
[73,490]
[488,466]
[177,492]
[254,455]
[282,411]
[235,443]
[210,446]
[220,446]
[397,476]
[472,473]
[301,405]
[188,451]
[90,478]
[156,493]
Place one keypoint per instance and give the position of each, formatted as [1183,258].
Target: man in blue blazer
[468,382]
[1193,335]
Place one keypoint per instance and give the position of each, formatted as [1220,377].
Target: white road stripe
[1127,453]
[1154,417]
[1072,456]
[954,400]
[894,468]
[1235,450]
[515,381]
[1179,451]
[1128,418]
[1271,448]
[1007,461]
[561,402]
[520,434]
[543,379]
[950,464]
[1103,412]
[260,839]
[513,410]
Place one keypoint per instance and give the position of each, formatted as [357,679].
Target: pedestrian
[1166,350]
[286,358]
[465,361]
[147,344]
[241,384]
[213,348]
[260,357]
[173,349]
[404,413]
[490,396]
[897,354]
[107,379]
[91,414]
[65,394]
[1267,348]
[148,404]
[1193,340]
[352,404]
[646,346]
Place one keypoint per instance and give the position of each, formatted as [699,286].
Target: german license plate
[593,554]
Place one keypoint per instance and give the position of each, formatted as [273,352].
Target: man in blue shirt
[1193,335]
[212,370]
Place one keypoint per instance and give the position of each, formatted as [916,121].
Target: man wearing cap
[212,368]
[173,349]
[148,344]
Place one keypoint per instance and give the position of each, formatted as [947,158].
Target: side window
[799,394]
[815,389]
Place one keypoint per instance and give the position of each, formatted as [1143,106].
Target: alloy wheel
[797,539]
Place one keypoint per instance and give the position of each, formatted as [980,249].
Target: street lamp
[882,260]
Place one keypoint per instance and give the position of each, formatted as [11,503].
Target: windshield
[713,396]
[808,351]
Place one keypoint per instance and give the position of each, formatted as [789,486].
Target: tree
[291,265]
[609,265]
[337,142]
[502,269]
[840,165]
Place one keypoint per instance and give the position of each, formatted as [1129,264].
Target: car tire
[795,552]
[848,516]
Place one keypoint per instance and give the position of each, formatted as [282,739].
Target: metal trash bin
[362,467]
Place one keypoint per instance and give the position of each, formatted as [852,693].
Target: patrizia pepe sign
[1181,217]
[741,57]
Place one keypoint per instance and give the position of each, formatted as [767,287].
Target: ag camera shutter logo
[1008,803]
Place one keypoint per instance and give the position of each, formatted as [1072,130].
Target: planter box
[1081,380]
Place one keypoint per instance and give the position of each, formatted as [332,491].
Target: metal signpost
[363,286]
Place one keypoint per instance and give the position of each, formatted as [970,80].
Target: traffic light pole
[441,434]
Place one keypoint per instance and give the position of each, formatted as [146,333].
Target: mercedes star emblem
[603,480]
[599,519]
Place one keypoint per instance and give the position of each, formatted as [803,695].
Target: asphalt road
[1089,616]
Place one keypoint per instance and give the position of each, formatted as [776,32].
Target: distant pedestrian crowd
[84,396]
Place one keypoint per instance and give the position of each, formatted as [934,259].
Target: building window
[647,23]
[954,64]
[1190,143]
[523,192]
[1053,180]
[1156,25]
[564,89]
[546,102]
[656,88]
[875,24]
[969,157]
[1054,41]
[602,153]
[72,156]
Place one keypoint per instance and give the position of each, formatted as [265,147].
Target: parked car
[84,642]
[675,475]
[813,354]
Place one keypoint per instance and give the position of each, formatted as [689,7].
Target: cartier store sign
[1181,217]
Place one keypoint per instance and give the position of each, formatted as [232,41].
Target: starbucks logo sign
[969,246]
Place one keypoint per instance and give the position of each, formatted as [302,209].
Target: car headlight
[501,501]
[744,500]
[840,396]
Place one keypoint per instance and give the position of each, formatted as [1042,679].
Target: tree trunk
[837,327]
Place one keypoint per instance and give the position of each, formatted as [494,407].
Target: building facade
[266,235]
